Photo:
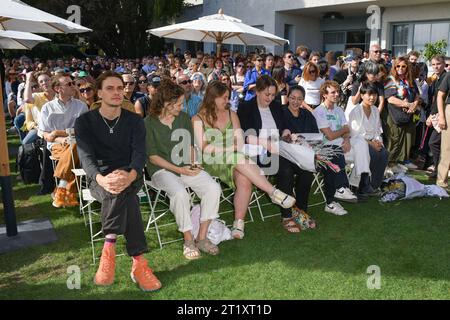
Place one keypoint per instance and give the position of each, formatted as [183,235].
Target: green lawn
[407,240]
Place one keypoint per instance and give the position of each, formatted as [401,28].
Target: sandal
[290,225]
[207,246]
[237,231]
[190,251]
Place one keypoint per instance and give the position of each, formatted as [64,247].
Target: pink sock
[138,258]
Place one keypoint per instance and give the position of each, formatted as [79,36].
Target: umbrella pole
[5,178]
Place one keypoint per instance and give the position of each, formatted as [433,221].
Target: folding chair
[319,185]
[156,214]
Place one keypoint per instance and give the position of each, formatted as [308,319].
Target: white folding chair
[319,184]
[156,214]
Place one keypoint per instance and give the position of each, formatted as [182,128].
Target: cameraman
[347,76]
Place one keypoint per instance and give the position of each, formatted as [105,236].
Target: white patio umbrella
[18,16]
[221,29]
[19,40]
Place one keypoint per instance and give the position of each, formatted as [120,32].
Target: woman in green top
[172,171]
[219,135]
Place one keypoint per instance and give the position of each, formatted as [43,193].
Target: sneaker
[11,130]
[344,194]
[59,199]
[282,199]
[335,208]
[106,269]
[431,168]
[237,232]
[143,276]
[410,165]
[71,199]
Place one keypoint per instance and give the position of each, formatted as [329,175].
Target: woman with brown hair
[165,125]
[311,82]
[402,97]
[88,94]
[218,134]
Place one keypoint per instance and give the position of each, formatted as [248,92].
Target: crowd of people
[380,113]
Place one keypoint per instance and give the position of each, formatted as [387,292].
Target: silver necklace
[111,129]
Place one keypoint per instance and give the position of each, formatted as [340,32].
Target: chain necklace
[111,129]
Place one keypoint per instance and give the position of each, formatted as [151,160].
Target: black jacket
[250,117]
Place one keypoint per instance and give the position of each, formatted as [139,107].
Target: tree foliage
[432,49]
[119,27]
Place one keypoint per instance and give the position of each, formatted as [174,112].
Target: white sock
[62,184]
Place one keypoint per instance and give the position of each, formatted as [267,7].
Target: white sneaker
[431,168]
[345,194]
[282,199]
[411,166]
[335,208]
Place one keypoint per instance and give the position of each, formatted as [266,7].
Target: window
[414,36]
[400,40]
[339,41]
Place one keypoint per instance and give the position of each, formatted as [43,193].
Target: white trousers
[360,156]
[203,185]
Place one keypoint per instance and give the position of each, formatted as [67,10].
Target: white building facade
[400,25]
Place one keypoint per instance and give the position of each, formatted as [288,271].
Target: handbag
[399,117]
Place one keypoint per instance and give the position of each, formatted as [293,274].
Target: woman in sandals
[217,131]
[263,121]
[169,148]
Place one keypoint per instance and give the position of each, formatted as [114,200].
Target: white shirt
[269,126]
[367,128]
[312,90]
[55,115]
[330,118]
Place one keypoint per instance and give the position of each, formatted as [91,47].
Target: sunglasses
[226,56]
[142,81]
[289,57]
[377,51]
[185,82]
[401,66]
[312,71]
[129,83]
[240,65]
[448,64]
[83,90]
[259,60]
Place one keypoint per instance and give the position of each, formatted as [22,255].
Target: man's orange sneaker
[143,276]
[106,269]
[71,199]
[60,198]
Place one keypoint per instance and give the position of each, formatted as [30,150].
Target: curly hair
[208,107]
[167,92]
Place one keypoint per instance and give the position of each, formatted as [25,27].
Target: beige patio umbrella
[221,29]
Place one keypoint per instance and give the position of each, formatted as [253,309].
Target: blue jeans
[31,136]
[18,124]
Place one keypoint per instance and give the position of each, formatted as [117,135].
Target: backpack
[28,163]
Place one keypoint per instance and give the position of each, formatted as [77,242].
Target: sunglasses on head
[185,82]
[83,90]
